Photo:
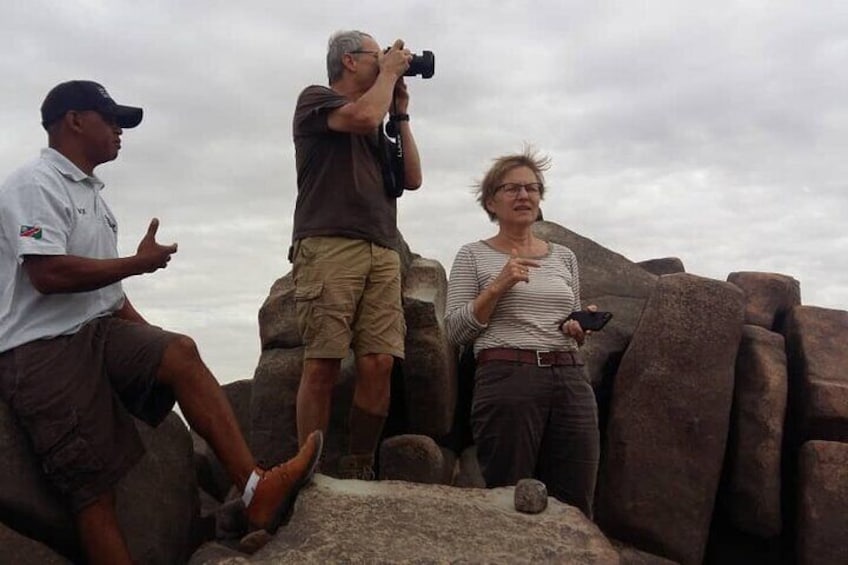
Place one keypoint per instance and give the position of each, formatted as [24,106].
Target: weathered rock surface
[469,474]
[669,418]
[413,458]
[768,297]
[389,521]
[429,368]
[20,550]
[157,501]
[631,556]
[531,496]
[273,433]
[663,266]
[277,317]
[613,283]
[751,497]
[817,352]
[823,500]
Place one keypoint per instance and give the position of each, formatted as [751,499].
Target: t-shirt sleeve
[41,218]
[571,264]
[313,105]
[460,324]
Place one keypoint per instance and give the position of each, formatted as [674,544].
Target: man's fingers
[153,227]
[398,44]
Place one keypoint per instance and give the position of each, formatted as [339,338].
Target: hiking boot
[278,487]
[359,467]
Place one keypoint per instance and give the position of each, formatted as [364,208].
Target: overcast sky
[716,132]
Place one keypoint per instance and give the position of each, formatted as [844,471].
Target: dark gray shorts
[73,395]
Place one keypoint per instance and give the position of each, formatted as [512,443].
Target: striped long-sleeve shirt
[527,316]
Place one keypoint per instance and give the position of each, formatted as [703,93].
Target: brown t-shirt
[339,180]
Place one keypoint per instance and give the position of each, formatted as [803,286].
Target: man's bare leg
[204,404]
[100,534]
[373,382]
[206,407]
[315,395]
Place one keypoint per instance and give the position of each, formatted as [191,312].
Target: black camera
[423,64]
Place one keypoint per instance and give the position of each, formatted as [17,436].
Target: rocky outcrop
[390,521]
[823,498]
[413,458]
[273,433]
[691,420]
[663,266]
[751,496]
[157,501]
[768,297]
[669,418]
[21,550]
[613,283]
[818,357]
[429,369]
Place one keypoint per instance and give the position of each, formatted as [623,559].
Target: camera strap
[389,154]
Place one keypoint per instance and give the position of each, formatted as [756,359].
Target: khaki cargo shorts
[347,295]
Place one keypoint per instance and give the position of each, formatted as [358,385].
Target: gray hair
[340,43]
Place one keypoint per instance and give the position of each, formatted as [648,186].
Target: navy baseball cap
[86,95]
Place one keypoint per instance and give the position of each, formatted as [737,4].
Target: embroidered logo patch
[31,231]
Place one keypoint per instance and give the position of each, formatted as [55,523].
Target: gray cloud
[714,132]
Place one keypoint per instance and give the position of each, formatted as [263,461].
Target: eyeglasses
[364,52]
[513,189]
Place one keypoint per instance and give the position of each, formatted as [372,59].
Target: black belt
[531,357]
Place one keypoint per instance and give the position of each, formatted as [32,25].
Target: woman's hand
[514,271]
[574,330]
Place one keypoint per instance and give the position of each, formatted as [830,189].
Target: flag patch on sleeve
[31,231]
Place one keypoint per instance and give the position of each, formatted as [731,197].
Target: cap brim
[126,116]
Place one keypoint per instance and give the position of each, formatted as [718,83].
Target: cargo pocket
[305,299]
[67,457]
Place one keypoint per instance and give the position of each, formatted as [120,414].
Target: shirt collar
[66,168]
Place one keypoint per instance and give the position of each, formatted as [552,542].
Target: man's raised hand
[151,255]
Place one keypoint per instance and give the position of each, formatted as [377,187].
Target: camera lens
[424,65]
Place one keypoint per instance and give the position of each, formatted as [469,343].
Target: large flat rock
[392,521]
[669,418]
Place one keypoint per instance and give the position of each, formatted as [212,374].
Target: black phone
[593,321]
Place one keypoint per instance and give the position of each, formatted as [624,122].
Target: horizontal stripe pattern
[527,316]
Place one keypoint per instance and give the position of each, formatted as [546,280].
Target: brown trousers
[537,422]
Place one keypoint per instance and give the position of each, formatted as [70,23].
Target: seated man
[76,359]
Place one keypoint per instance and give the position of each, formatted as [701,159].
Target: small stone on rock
[531,496]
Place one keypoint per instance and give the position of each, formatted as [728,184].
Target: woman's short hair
[486,188]
[340,43]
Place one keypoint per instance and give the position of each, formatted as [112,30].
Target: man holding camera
[346,265]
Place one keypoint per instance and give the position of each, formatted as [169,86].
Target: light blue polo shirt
[51,207]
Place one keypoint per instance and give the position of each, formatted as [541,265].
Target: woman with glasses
[533,412]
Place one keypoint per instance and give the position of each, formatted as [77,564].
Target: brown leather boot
[278,487]
[359,467]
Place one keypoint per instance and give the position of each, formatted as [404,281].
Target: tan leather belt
[531,357]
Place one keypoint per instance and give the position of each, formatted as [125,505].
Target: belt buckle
[539,359]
